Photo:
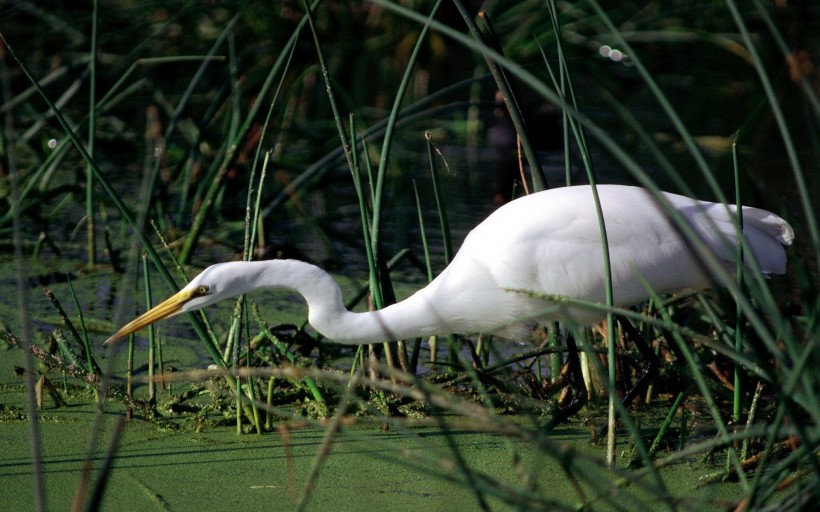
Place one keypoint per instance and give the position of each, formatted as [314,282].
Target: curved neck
[327,314]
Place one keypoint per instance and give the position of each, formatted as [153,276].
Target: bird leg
[578,395]
[651,362]
[645,375]
[577,391]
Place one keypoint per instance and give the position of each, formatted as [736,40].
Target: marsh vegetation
[141,143]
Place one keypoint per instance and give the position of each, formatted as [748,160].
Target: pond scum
[171,137]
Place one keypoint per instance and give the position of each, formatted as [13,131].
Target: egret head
[214,284]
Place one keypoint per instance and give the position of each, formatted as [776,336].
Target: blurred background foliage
[691,48]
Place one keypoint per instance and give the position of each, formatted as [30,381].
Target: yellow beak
[169,307]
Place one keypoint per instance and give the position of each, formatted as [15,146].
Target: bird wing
[550,243]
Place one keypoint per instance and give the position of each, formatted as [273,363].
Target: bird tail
[766,234]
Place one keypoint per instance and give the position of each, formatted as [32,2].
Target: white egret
[547,243]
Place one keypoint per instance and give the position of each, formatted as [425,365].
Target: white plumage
[547,243]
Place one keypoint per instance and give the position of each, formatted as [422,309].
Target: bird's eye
[201,290]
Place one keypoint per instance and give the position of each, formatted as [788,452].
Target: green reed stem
[92,127]
[72,329]
[151,329]
[256,222]
[90,364]
[446,236]
[507,89]
[744,448]
[362,201]
[414,355]
[129,373]
[250,385]
[653,448]
[424,246]
[739,265]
